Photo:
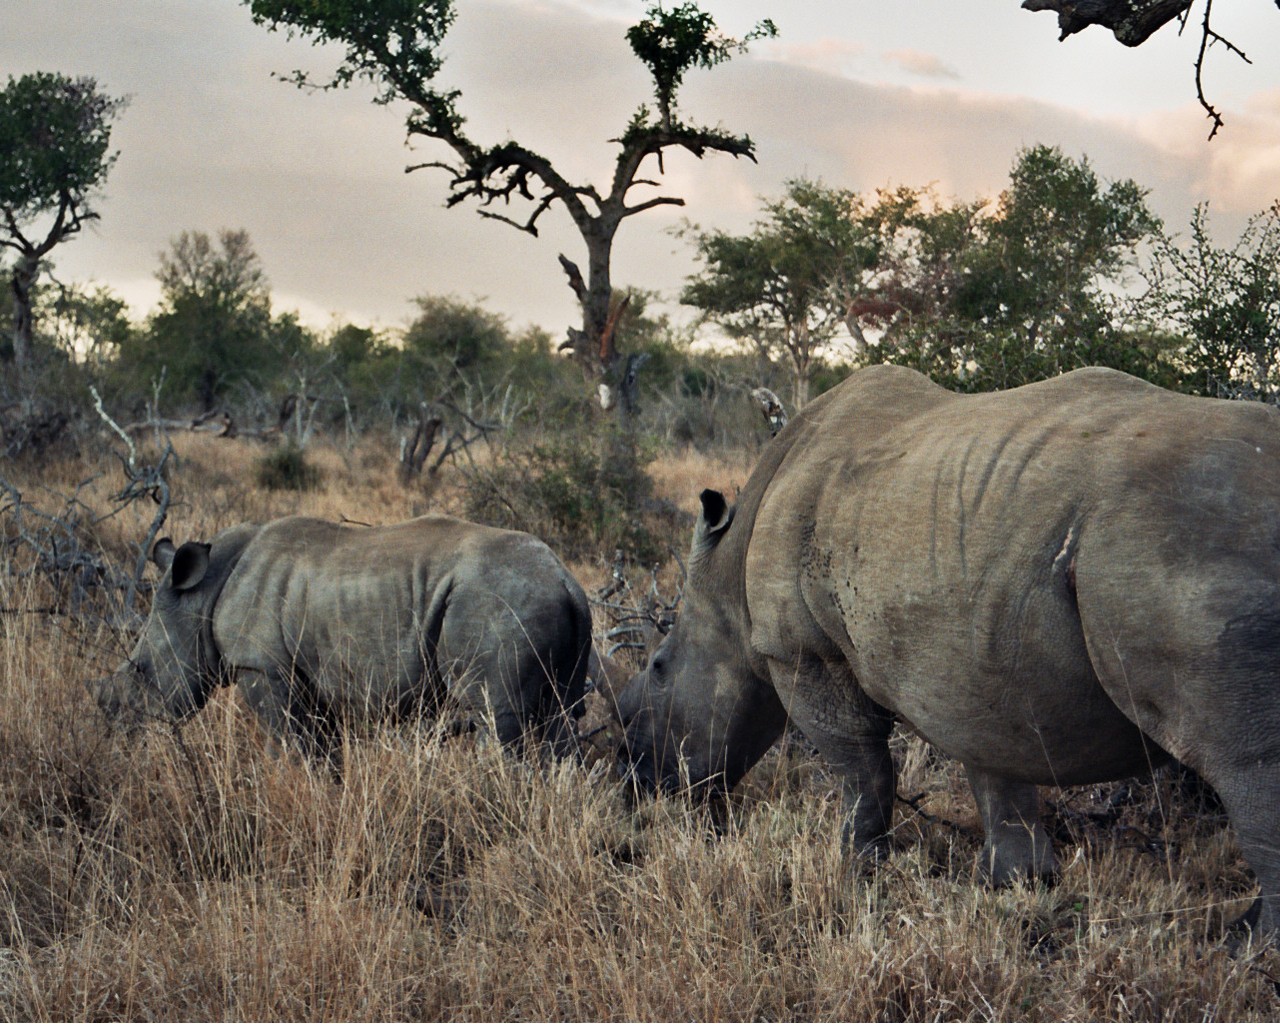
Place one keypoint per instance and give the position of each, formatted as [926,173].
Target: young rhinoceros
[321,623]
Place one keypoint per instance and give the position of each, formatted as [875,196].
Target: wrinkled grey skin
[321,623]
[1060,584]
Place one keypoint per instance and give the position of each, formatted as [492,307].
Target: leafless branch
[143,481]
[128,441]
[1207,37]
[1133,22]
[639,621]
[576,283]
[649,204]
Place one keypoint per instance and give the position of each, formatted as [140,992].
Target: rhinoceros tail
[574,650]
[570,660]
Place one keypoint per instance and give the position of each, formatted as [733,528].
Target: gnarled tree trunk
[22,280]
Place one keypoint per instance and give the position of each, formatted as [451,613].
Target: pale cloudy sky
[859,93]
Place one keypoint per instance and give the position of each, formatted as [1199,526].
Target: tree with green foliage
[977,295]
[55,153]
[357,355]
[1056,237]
[1223,303]
[363,365]
[213,327]
[87,325]
[1003,295]
[452,341]
[396,45]
[927,247]
[788,287]
[351,346]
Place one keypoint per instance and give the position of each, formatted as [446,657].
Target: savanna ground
[190,874]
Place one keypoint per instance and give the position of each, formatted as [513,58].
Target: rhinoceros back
[1001,570]
[378,619]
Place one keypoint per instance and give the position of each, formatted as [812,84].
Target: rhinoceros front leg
[870,781]
[276,699]
[1017,845]
[851,732]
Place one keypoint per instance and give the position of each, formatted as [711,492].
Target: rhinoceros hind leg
[523,689]
[1017,845]
[1249,789]
[1255,925]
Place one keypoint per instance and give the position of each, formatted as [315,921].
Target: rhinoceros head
[172,669]
[699,714]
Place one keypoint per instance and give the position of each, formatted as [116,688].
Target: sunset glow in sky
[860,95]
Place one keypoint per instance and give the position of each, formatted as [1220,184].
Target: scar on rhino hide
[1065,559]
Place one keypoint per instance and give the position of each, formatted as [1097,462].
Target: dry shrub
[192,875]
[585,496]
[286,468]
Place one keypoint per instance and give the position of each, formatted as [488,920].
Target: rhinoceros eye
[658,670]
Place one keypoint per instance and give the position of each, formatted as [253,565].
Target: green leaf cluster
[670,43]
[393,44]
[1222,303]
[55,139]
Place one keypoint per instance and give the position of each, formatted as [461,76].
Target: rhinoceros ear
[190,563]
[162,553]
[716,516]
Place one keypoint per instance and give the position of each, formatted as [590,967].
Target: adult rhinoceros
[1059,584]
[323,623]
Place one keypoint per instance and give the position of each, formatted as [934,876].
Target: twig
[914,803]
[149,481]
[128,441]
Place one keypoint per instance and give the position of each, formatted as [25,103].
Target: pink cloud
[834,56]
[916,62]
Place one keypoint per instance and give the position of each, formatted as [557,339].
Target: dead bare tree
[143,480]
[298,413]
[639,620]
[775,413]
[430,428]
[59,544]
[414,451]
[58,554]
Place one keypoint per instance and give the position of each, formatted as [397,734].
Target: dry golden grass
[191,875]
[681,476]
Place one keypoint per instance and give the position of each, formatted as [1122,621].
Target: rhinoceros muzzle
[117,699]
[639,772]
[648,772]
